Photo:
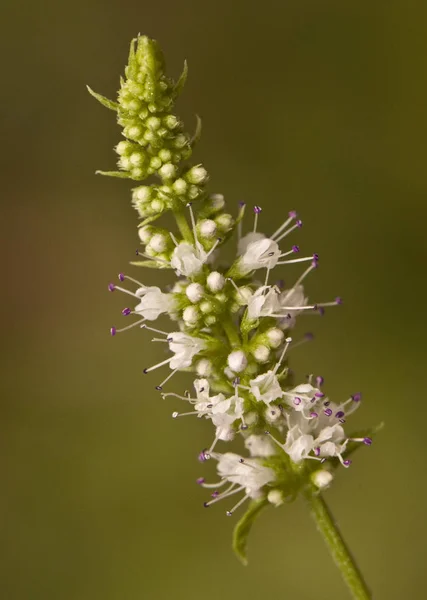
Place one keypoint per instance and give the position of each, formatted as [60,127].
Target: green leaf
[103,100]
[243,528]
[120,174]
[181,81]
[198,133]
[150,264]
[148,220]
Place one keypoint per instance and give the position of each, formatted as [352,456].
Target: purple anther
[242,204]
[145,371]
[299,223]
[202,456]
[257,210]
[111,287]
[319,380]
[229,513]
[319,394]
[159,388]
[328,412]
[347,463]
[327,403]
[356,397]
[244,427]
[321,311]
[338,300]
[314,415]
[339,414]
[126,312]
[367,441]
[206,504]
[315,257]
[295,248]
[297,401]
[215,494]
[113,331]
[322,461]
[236,381]
[317,451]
[315,264]
[241,460]
[200,480]
[121,277]
[137,252]
[342,421]
[292,214]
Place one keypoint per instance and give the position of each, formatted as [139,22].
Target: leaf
[150,264]
[148,220]
[120,174]
[181,81]
[198,133]
[243,528]
[103,100]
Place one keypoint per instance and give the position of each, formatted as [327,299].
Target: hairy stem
[337,547]
[183,225]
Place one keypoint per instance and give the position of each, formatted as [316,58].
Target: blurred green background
[314,105]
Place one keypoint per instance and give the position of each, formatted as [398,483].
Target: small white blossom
[322,479]
[261,254]
[247,473]
[185,347]
[266,387]
[153,302]
[215,281]
[263,303]
[195,292]
[188,260]
[260,445]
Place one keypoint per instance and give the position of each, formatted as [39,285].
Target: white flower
[263,303]
[247,473]
[187,259]
[244,242]
[261,254]
[153,302]
[266,387]
[302,396]
[322,479]
[185,347]
[260,445]
[215,281]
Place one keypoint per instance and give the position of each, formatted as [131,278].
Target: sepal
[103,100]
[243,528]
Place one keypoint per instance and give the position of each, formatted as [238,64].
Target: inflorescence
[233,326]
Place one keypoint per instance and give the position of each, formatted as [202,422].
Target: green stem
[231,333]
[183,226]
[337,547]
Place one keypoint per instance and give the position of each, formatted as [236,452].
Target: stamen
[160,386]
[257,210]
[300,280]
[297,225]
[173,238]
[126,312]
[193,224]
[292,215]
[298,260]
[236,506]
[292,251]
[175,415]
[236,288]
[217,241]
[155,330]
[228,492]
[160,364]
[288,341]
[122,277]
[113,330]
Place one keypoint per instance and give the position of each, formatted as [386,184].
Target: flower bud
[190,315]
[322,479]
[124,148]
[167,171]
[215,281]
[224,222]
[261,353]
[275,497]
[275,337]
[207,228]
[180,186]
[145,234]
[194,292]
[197,175]
[158,242]
[237,361]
